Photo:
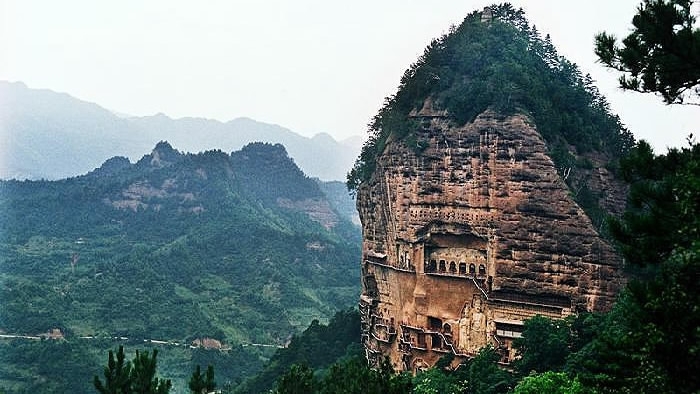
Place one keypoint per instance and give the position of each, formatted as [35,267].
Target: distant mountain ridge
[49,135]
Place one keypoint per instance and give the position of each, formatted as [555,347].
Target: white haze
[311,66]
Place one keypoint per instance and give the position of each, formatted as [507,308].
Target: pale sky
[310,66]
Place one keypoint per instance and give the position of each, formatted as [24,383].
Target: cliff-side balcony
[422,330]
[390,330]
[410,268]
[383,330]
[381,338]
[445,334]
[453,268]
[405,326]
[367,300]
[481,278]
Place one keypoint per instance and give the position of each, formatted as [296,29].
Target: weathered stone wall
[468,238]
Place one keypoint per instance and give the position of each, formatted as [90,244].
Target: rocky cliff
[482,191]
[466,239]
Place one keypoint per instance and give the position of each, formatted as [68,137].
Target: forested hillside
[499,61]
[241,248]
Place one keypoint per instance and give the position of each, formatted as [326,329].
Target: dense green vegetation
[70,365]
[202,383]
[305,367]
[504,65]
[318,347]
[349,376]
[48,366]
[136,376]
[174,247]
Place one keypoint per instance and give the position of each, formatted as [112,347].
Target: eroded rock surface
[465,240]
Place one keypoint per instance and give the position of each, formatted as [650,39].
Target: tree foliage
[651,337]
[662,214]
[544,345]
[298,380]
[504,65]
[348,376]
[436,381]
[353,376]
[661,54]
[549,382]
[117,375]
[317,347]
[202,383]
[485,376]
[143,375]
[135,377]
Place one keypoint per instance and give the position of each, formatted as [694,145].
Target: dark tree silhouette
[143,375]
[117,375]
[661,55]
[137,377]
[202,383]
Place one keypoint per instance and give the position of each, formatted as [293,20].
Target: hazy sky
[311,66]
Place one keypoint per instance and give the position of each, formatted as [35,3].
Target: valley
[243,250]
[501,230]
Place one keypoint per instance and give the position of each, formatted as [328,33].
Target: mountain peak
[112,166]
[265,148]
[164,146]
[54,135]
[324,137]
[491,132]
[505,66]
[162,155]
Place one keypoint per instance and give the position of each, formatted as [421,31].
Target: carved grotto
[468,238]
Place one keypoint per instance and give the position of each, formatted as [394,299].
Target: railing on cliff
[479,287]
[411,269]
[389,329]
[432,332]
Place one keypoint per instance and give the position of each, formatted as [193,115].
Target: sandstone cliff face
[467,239]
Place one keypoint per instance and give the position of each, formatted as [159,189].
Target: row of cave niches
[461,268]
[433,267]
